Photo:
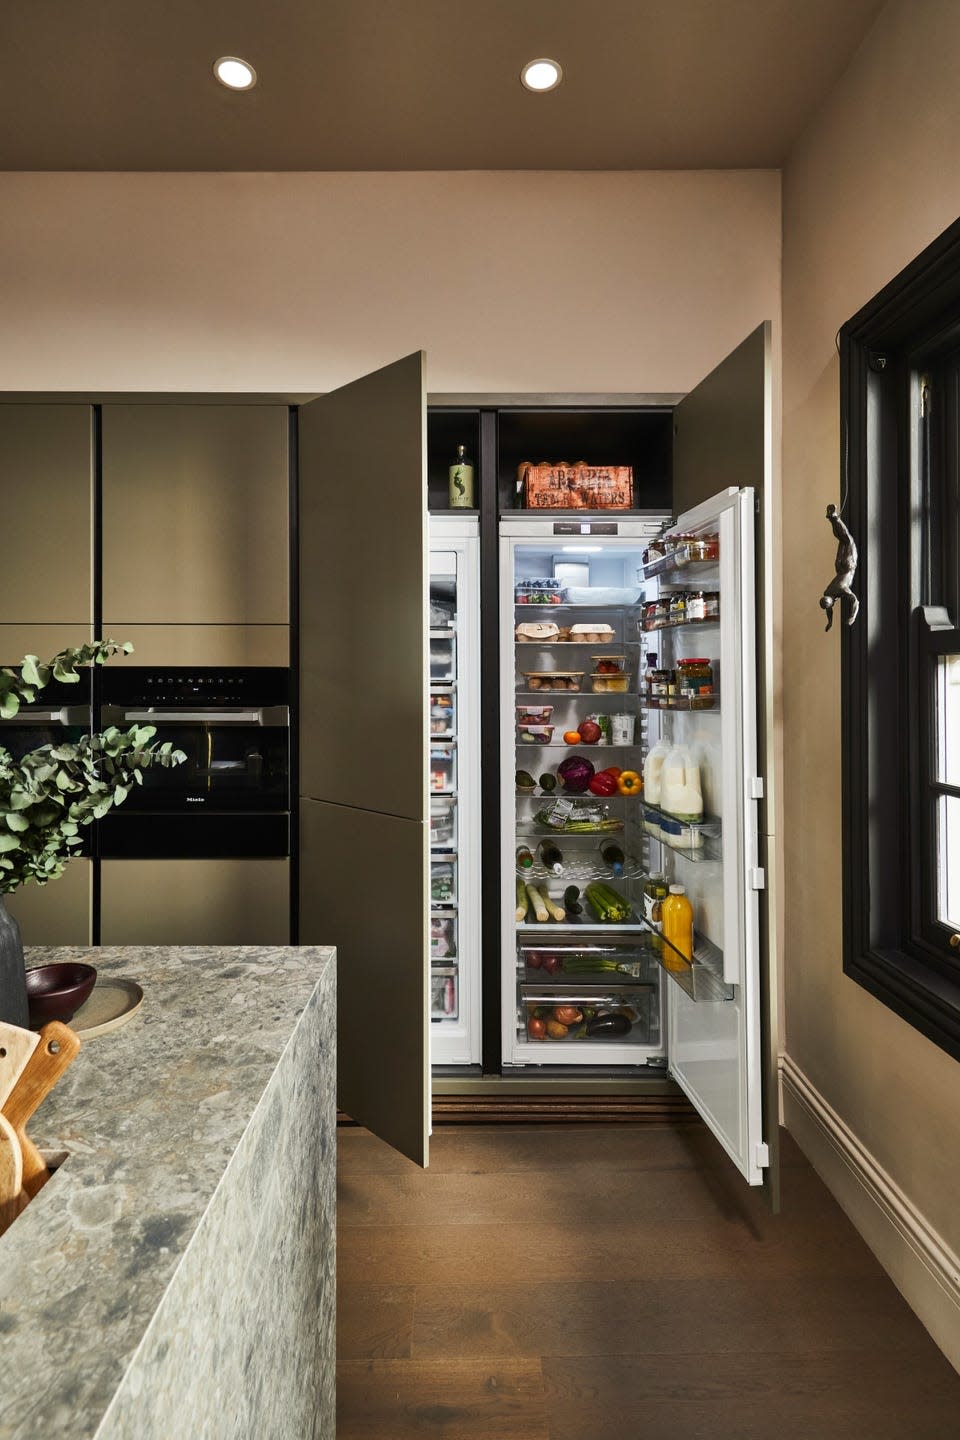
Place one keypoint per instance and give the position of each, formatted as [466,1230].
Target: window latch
[936,617]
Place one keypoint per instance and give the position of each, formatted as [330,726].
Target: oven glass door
[229,766]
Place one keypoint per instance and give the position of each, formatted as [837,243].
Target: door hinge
[756,788]
[763,1155]
[758,878]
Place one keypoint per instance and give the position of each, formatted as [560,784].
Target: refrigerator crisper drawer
[592,962]
[572,1015]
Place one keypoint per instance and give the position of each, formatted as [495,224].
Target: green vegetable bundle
[608,905]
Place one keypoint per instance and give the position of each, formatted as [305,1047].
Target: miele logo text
[195,799]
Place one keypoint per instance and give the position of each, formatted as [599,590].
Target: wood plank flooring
[610,1283]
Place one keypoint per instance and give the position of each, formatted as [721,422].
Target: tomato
[536,1029]
[571,737]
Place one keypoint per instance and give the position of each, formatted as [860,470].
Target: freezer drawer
[443,881]
[444,992]
[443,822]
[443,714]
[443,769]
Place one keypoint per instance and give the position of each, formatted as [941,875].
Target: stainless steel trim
[212,715]
[69,715]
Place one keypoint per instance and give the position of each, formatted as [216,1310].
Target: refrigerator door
[723,1051]
[364,863]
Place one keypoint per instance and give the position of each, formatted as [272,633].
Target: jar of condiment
[650,615]
[660,613]
[703,605]
[659,682]
[678,607]
[695,684]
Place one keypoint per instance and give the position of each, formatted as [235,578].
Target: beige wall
[299,282]
[873,180]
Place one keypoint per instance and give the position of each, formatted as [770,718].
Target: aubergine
[611,1023]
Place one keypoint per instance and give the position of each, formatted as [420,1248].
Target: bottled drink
[613,856]
[524,857]
[461,481]
[677,913]
[655,892]
[551,857]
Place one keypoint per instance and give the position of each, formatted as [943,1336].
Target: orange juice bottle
[676,913]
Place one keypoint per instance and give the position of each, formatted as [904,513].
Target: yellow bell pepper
[629,782]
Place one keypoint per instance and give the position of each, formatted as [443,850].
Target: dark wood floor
[613,1283]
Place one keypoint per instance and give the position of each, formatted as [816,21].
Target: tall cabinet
[165,523]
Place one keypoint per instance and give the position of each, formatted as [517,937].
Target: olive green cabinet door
[195,902]
[46,483]
[195,514]
[58,913]
[363,736]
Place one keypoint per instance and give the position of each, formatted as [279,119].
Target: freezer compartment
[443,657]
[443,822]
[443,769]
[443,714]
[443,935]
[443,882]
[579,1016]
[444,992]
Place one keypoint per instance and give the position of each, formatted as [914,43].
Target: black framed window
[900,421]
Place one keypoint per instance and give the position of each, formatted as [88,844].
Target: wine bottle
[524,857]
[551,857]
[461,481]
[613,856]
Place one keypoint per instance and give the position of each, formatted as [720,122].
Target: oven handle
[269,715]
[69,715]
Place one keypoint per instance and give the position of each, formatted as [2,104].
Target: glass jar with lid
[695,684]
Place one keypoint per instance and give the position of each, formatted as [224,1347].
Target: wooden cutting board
[11,1174]
[16,1047]
[57,1050]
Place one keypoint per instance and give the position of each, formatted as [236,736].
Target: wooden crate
[575,487]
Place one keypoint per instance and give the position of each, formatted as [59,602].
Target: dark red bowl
[56,992]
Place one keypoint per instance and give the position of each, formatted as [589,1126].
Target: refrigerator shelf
[581,870]
[712,620]
[525,607]
[578,923]
[571,644]
[702,980]
[594,695]
[686,709]
[448,632]
[676,566]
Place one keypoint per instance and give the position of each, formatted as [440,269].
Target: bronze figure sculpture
[846,566]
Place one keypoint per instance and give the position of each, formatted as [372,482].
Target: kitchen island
[175,1277]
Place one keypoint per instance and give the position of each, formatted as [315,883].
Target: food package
[532,630]
[547,486]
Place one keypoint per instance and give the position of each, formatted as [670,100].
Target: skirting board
[924,1269]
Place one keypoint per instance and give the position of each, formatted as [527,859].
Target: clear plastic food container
[571,680]
[545,591]
[602,684]
[534,714]
[534,734]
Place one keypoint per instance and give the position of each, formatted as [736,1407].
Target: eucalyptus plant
[48,794]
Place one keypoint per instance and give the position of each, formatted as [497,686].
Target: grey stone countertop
[150,1115]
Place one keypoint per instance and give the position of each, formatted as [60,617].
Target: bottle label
[461,487]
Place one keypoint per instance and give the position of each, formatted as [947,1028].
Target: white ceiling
[416,84]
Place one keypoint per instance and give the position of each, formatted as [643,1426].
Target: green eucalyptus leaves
[48,794]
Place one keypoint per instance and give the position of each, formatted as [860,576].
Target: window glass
[948,720]
[948,846]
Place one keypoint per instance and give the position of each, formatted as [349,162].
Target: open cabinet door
[723,1051]
[363,736]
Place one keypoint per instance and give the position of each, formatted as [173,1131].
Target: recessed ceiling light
[235,74]
[541,74]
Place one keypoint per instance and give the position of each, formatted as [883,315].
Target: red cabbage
[575,774]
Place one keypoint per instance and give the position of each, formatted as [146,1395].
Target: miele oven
[231,797]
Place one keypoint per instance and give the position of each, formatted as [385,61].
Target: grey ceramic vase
[13,978]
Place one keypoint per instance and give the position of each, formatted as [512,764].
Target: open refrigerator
[639,632]
[454,779]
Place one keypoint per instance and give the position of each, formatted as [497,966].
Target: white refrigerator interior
[628,650]
[454,791]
